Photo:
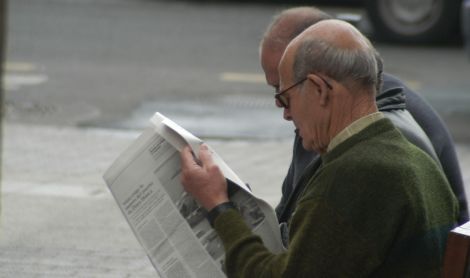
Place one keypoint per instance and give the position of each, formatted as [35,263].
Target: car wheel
[415,21]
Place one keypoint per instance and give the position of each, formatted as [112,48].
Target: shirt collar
[354,128]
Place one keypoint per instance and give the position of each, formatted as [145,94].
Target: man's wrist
[219,209]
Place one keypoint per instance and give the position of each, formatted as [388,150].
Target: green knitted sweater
[377,207]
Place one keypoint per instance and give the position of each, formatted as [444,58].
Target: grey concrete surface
[59,219]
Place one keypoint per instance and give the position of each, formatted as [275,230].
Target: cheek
[302,117]
[306,112]
[312,125]
[309,137]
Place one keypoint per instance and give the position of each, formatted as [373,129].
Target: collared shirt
[354,128]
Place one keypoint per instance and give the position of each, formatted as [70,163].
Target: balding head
[289,24]
[327,75]
[284,27]
[336,32]
[336,49]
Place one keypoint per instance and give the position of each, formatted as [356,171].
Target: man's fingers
[205,156]
[187,160]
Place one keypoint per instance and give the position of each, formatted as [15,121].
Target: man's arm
[316,229]
[322,245]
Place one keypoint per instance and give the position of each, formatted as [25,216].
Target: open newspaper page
[169,223]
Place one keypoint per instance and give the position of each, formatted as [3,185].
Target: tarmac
[60,220]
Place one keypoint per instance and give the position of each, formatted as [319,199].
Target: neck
[349,110]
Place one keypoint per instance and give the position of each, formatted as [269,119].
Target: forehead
[270,59]
[271,53]
[285,66]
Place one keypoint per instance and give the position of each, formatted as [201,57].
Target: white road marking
[14,81]
[19,74]
[20,67]
[242,77]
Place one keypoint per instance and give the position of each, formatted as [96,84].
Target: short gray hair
[351,67]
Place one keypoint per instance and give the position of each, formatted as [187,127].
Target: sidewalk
[59,219]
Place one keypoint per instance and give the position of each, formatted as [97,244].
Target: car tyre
[414,21]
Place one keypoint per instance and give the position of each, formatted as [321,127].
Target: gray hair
[350,67]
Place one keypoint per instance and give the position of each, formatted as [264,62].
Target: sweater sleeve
[246,256]
[315,249]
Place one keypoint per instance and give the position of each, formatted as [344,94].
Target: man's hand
[204,181]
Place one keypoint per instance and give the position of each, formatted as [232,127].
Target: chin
[306,146]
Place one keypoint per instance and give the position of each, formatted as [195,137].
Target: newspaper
[169,224]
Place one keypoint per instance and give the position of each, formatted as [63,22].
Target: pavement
[60,220]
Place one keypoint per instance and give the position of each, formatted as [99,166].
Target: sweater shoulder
[382,166]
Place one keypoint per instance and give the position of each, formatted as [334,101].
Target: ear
[321,88]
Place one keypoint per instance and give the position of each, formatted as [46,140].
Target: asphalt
[59,219]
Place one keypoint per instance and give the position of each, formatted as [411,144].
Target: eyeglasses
[284,101]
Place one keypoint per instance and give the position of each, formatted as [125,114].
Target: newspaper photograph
[169,224]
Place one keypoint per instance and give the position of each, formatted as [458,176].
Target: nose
[286,113]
